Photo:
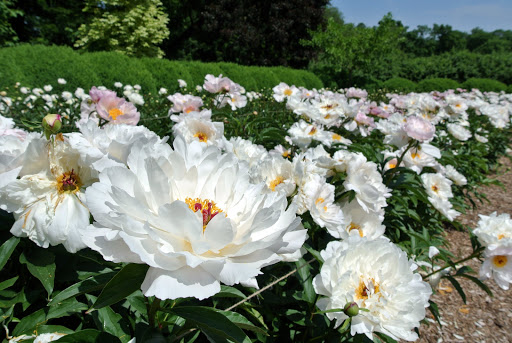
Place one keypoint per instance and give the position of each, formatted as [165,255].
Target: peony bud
[51,124]
[351,309]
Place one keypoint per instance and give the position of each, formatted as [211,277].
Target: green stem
[155,305]
[476,253]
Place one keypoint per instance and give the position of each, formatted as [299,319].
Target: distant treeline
[299,34]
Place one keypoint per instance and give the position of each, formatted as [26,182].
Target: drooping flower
[193,216]
[378,277]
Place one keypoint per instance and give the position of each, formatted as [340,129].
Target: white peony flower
[61,81]
[359,222]
[49,201]
[193,128]
[452,173]
[364,179]
[277,173]
[439,192]
[458,131]
[193,216]
[498,265]
[494,230]
[378,277]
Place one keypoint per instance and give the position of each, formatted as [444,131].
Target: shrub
[509,89]
[114,67]
[437,84]
[166,73]
[485,85]
[42,65]
[400,84]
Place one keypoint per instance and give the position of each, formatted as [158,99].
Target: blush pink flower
[117,110]
[419,128]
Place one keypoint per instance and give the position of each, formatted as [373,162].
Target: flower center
[68,182]
[435,188]
[312,131]
[336,137]
[288,92]
[115,112]
[201,136]
[499,261]
[207,207]
[277,181]
[392,165]
[319,201]
[415,155]
[501,236]
[366,289]
[286,154]
[354,226]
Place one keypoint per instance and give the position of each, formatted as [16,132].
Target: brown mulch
[482,319]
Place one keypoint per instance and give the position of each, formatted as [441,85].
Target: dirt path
[482,318]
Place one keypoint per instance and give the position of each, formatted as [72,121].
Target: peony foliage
[226,215]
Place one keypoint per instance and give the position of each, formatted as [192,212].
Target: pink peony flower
[117,110]
[96,94]
[419,128]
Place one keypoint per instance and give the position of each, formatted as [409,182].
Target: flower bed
[289,213]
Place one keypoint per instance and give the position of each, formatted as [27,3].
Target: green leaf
[217,327]
[6,250]
[229,292]
[35,320]
[457,286]
[53,328]
[90,284]
[306,278]
[113,323]
[89,336]
[242,322]
[479,283]
[126,281]
[8,283]
[41,264]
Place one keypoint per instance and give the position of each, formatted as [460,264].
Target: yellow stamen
[286,154]
[499,261]
[201,136]
[68,182]
[277,181]
[435,188]
[362,290]
[392,165]
[336,137]
[207,208]
[288,92]
[115,112]
[319,200]
[354,226]
[501,236]
[313,131]
[415,155]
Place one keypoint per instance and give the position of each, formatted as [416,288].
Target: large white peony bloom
[379,277]
[48,200]
[494,230]
[193,216]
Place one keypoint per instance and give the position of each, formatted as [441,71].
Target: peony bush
[224,215]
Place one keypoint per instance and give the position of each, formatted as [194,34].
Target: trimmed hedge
[38,65]
[437,84]
[485,85]
[400,84]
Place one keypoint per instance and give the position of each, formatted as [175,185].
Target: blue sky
[462,15]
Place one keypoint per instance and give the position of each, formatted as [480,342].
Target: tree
[48,21]
[355,52]
[7,34]
[248,32]
[132,27]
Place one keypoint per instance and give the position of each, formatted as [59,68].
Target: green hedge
[400,84]
[437,84]
[485,85]
[38,65]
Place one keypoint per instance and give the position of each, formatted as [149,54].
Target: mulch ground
[483,318]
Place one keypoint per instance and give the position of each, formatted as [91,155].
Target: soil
[482,319]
